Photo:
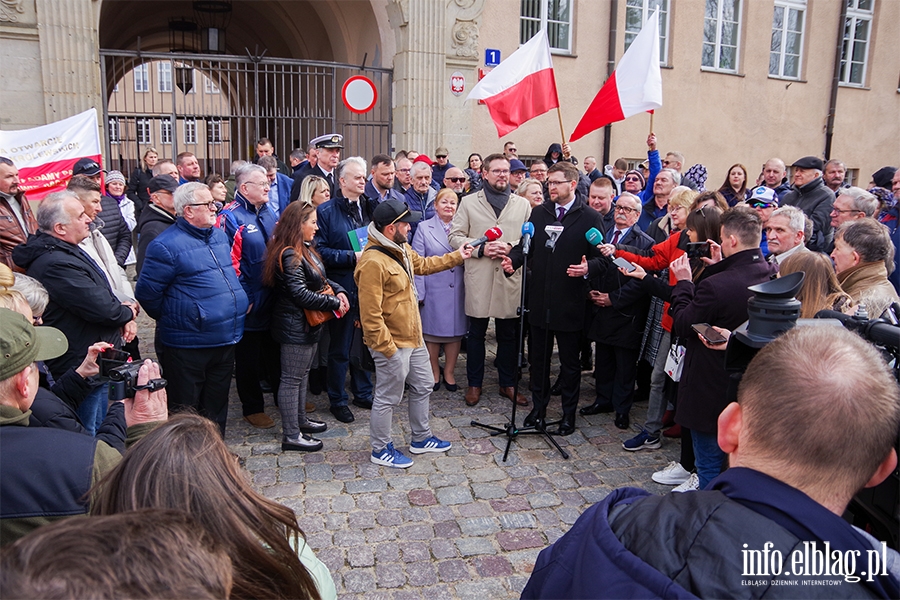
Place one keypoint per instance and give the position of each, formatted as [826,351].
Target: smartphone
[624,264]
[698,249]
[709,334]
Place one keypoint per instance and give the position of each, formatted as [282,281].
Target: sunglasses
[762,204]
[455,179]
[440,156]
[632,179]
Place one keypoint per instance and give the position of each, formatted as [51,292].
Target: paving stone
[265,478]
[513,504]
[362,520]
[387,553]
[441,513]
[517,584]
[414,551]
[258,463]
[333,559]
[517,520]
[563,481]
[473,546]
[447,529]
[615,478]
[413,514]
[586,479]
[446,480]
[283,490]
[335,521]
[454,495]
[543,499]
[475,509]
[324,488]
[319,472]
[343,503]
[568,514]
[390,576]
[570,498]
[518,539]
[416,532]
[493,566]
[359,581]
[488,491]
[292,475]
[478,526]
[395,500]
[553,534]
[422,497]
[547,516]
[360,556]
[311,523]
[369,502]
[540,484]
[407,483]
[519,486]
[273,448]
[480,589]
[522,471]
[443,549]
[421,574]
[344,472]
[360,486]
[595,495]
[381,534]
[453,570]
[319,540]
[349,538]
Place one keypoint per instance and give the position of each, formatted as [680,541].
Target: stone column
[21,94]
[463,56]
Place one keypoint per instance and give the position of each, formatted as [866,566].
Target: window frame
[142,130]
[854,16]
[144,73]
[788,5]
[115,130]
[664,23]
[717,43]
[165,130]
[544,21]
[164,77]
[192,138]
[214,130]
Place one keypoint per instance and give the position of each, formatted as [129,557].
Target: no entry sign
[359,94]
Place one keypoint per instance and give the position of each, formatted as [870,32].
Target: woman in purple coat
[441,295]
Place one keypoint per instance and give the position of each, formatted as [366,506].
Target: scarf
[118,199]
[496,199]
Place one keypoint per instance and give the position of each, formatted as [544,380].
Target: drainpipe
[610,67]
[835,81]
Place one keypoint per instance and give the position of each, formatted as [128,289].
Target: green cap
[21,343]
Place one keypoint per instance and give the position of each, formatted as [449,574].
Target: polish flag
[521,87]
[634,87]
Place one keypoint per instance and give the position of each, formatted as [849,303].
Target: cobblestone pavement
[463,524]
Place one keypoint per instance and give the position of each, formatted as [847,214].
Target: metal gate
[218,107]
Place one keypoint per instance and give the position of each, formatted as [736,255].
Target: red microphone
[490,235]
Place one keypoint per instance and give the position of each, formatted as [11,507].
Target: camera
[698,250]
[115,365]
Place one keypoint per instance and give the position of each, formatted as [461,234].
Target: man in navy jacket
[806,434]
[188,284]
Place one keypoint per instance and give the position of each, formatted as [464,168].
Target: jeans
[92,409]
[708,457]
[339,362]
[507,340]
[295,362]
[656,407]
[407,365]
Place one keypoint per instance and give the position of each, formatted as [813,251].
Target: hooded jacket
[152,222]
[114,228]
[11,232]
[82,303]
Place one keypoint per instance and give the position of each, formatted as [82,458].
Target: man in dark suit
[619,321]
[328,155]
[558,259]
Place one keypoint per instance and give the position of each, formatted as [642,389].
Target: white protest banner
[45,155]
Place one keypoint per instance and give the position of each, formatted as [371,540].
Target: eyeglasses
[512,149]
[499,171]
[839,211]
[632,179]
[263,185]
[212,206]
[440,156]
[403,170]
[560,182]
[666,162]
[625,209]
[455,179]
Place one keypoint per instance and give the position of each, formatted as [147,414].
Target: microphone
[527,232]
[553,232]
[593,236]
[490,235]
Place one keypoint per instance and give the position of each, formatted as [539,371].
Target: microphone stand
[511,431]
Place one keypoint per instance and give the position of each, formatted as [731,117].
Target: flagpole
[652,113]
[562,131]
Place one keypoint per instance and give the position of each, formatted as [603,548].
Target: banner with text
[45,155]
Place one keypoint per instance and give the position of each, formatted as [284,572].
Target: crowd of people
[292,278]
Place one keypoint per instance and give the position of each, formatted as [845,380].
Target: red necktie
[615,239]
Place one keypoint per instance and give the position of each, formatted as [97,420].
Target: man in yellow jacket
[392,329]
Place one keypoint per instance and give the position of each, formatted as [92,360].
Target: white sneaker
[691,485]
[672,474]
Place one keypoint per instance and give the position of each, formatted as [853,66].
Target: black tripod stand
[511,431]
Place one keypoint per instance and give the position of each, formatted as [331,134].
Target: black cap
[165,183]
[87,166]
[883,176]
[809,162]
[392,211]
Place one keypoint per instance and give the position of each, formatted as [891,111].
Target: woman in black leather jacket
[295,270]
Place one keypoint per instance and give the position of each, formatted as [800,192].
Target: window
[211,88]
[721,32]
[214,131]
[636,14]
[114,134]
[553,15]
[856,41]
[164,77]
[787,38]
[143,131]
[165,130]
[190,130]
[141,79]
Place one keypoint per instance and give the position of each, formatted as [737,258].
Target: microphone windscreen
[528,228]
[493,234]
[594,236]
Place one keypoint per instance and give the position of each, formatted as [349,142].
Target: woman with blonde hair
[140,179]
[820,289]
[531,190]
[680,201]
[314,190]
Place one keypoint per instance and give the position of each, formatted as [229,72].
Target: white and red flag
[634,87]
[45,155]
[521,87]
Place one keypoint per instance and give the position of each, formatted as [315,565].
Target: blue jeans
[92,409]
[708,457]
[339,361]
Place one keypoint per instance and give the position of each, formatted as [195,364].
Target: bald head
[773,172]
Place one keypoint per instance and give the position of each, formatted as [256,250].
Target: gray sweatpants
[407,365]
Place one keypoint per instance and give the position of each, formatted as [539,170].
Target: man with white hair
[812,196]
[785,233]
[188,284]
[658,206]
[350,209]
[420,196]
[852,203]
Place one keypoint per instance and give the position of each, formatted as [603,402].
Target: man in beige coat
[489,293]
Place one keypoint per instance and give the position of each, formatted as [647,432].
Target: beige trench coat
[489,293]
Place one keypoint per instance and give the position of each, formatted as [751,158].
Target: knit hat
[697,174]
[115,176]
[640,176]
[21,343]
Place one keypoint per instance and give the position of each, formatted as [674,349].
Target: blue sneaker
[642,441]
[389,457]
[432,444]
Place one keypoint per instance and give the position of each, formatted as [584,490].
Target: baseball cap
[423,158]
[165,183]
[762,197]
[21,343]
[809,162]
[392,211]
[87,166]
[442,151]
[516,165]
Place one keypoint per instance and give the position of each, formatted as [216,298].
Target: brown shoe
[260,421]
[507,392]
[473,395]
[310,407]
